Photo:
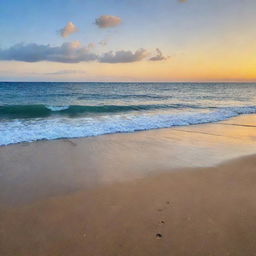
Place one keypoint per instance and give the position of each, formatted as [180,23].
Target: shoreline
[143,125]
[33,170]
[227,121]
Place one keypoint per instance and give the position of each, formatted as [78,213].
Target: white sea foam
[16,131]
[57,108]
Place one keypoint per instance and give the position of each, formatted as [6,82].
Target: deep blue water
[35,111]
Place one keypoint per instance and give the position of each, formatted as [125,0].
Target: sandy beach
[181,191]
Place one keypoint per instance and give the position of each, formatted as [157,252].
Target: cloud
[123,56]
[108,21]
[159,56]
[69,29]
[72,52]
[68,53]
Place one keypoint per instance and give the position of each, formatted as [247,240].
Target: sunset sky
[127,40]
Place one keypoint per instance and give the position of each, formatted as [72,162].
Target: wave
[25,130]
[40,111]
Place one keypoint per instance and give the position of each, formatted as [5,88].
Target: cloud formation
[72,52]
[108,21]
[67,53]
[159,56]
[69,29]
[124,56]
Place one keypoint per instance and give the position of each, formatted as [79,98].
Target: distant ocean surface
[37,111]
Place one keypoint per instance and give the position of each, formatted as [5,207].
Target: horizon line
[235,81]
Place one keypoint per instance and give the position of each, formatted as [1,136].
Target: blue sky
[144,21]
[192,27]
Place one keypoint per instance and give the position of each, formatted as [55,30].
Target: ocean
[31,111]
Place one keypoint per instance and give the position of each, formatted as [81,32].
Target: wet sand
[136,196]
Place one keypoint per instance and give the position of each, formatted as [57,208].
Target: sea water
[31,111]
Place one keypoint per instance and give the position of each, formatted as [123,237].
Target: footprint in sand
[162,222]
[159,236]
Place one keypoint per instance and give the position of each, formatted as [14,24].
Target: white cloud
[69,29]
[108,21]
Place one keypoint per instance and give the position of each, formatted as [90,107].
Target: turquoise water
[36,111]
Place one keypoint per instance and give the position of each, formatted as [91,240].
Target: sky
[128,40]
